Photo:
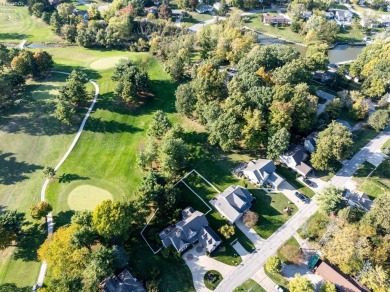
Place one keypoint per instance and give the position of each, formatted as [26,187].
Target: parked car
[278,288]
[309,182]
[302,197]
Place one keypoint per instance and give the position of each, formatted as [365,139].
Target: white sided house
[294,158]
[262,172]
[233,202]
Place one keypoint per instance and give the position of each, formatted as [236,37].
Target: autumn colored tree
[40,210]
[227,230]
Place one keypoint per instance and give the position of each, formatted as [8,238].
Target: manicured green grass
[270,209]
[249,286]
[18,25]
[212,284]
[292,178]
[386,145]
[361,138]
[290,248]
[31,138]
[87,197]
[379,180]
[255,22]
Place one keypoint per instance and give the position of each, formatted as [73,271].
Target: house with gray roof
[122,282]
[233,202]
[310,142]
[262,172]
[295,158]
[193,227]
[360,200]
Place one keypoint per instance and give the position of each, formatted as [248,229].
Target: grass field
[249,286]
[292,178]
[194,18]
[270,209]
[379,180]
[349,34]
[87,197]
[284,252]
[18,25]
[255,22]
[31,138]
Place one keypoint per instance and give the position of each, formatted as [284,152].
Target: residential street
[254,262]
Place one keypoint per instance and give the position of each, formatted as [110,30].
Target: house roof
[122,282]
[361,199]
[261,168]
[304,168]
[332,275]
[345,124]
[275,179]
[325,95]
[343,13]
[233,202]
[191,229]
[274,17]
[297,153]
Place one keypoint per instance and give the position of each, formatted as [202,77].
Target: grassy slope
[30,140]
[21,25]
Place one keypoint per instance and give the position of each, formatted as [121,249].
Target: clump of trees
[273,265]
[11,228]
[330,200]
[131,81]
[82,254]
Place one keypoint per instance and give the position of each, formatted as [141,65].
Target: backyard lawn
[349,34]
[18,25]
[270,209]
[255,22]
[292,178]
[249,286]
[379,180]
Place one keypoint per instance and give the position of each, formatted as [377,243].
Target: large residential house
[343,15]
[275,19]
[193,228]
[123,281]
[295,158]
[233,202]
[360,200]
[262,172]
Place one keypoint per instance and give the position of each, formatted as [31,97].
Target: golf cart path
[50,223]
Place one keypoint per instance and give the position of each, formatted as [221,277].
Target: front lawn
[326,175]
[290,252]
[292,178]
[255,22]
[361,138]
[315,227]
[277,279]
[249,286]
[270,209]
[379,180]
[385,146]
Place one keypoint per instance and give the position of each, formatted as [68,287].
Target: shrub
[273,264]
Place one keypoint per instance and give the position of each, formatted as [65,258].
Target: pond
[339,53]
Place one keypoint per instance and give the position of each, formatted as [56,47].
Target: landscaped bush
[250,218]
[212,279]
[273,264]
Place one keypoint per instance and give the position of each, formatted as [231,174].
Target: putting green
[87,197]
[106,63]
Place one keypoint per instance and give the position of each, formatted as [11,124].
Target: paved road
[49,219]
[199,25]
[254,262]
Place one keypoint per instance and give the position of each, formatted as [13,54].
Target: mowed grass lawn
[379,180]
[270,209]
[285,32]
[31,138]
[18,25]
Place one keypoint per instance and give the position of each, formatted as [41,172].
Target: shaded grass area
[326,175]
[349,34]
[292,178]
[361,138]
[18,25]
[249,286]
[286,252]
[385,145]
[212,279]
[315,227]
[379,180]
[255,22]
[270,209]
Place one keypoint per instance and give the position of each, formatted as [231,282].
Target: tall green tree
[159,125]
[278,143]
[75,90]
[173,156]
[333,144]
[330,200]
[301,284]
[185,99]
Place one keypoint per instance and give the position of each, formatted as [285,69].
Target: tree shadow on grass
[97,125]
[13,171]
[14,36]
[63,218]
[11,287]
[69,177]
[31,239]
[91,74]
